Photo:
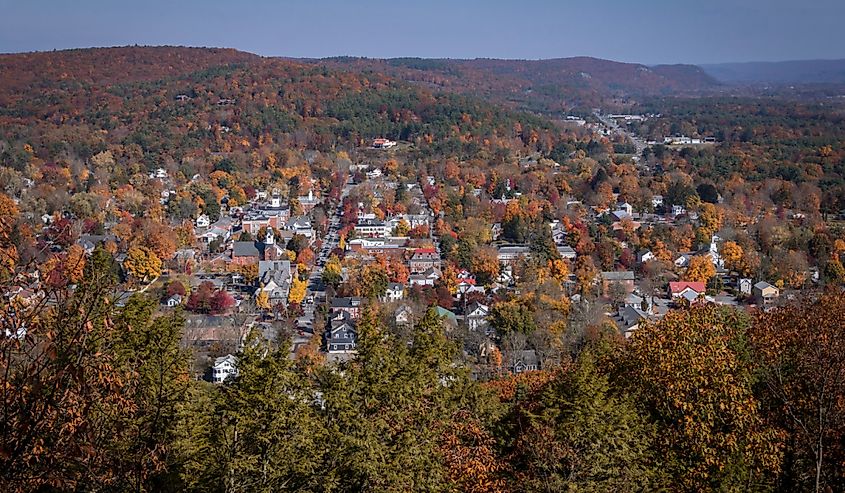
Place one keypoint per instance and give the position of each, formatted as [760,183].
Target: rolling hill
[547,86]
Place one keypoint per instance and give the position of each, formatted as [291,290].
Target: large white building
[223,368]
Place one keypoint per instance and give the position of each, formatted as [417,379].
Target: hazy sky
[646,31]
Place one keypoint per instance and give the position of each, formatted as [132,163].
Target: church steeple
[269,239]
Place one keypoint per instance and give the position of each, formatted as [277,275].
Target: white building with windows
[223,368]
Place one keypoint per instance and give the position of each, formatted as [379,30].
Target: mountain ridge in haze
[786,72]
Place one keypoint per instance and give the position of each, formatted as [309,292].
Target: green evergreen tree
[600,440]
[387,408]
[264,434]
[148,351]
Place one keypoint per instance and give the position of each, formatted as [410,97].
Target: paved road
[619,129]
[315,288]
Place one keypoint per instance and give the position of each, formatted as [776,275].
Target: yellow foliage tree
[262,300]
[141,263]
[74,263]
[711,219]
[297,290]
[700,269]
[732,253]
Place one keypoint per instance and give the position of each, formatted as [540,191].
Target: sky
[643,31]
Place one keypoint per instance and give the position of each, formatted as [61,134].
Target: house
[629,319]
[566,252]
[173,301]
[223,368]
[525,360]
[623,278]
[510,254]
[301,225]
[373,174]
[275,277]
[644,256]
[403,315]
[678,210]
[273,214]
[426,278]
[745,285]
[350,305]
[395,292]
[372,228]
[506,277]
[467,285]
[624,210]
[245,253]
[341,337]
[496,231]
[765,294]
[682,260]
[203,221]
[633,300]
[476,316]
[657,201]
[690,291]
[383,143]
[308,202]
[424,259]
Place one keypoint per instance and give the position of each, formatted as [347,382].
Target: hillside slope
[171,102]
[21,71]
[546,86]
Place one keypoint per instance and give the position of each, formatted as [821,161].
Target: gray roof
[527,357]
[625,275]
[763,285]
[276,270]
[516,250]
[343,333]
[244,249]
[348,302]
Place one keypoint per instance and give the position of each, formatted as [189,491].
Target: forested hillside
[171,101]
[546,86]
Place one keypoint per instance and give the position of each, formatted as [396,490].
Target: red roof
[677,287]
[425,250]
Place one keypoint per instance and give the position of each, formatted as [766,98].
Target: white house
[395,292]
[426,278]
[644,256]
[173,301]
[224,367]
[372,228]
[476,316]
[656,201]
[745,285]
[203,221]
[683,260]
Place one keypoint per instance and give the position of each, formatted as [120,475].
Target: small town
[480,247]
[303,266]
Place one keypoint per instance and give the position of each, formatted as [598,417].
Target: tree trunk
[819,460]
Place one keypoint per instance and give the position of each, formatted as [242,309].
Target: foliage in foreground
[98,398]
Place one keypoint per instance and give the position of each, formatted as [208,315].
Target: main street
[316,290]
